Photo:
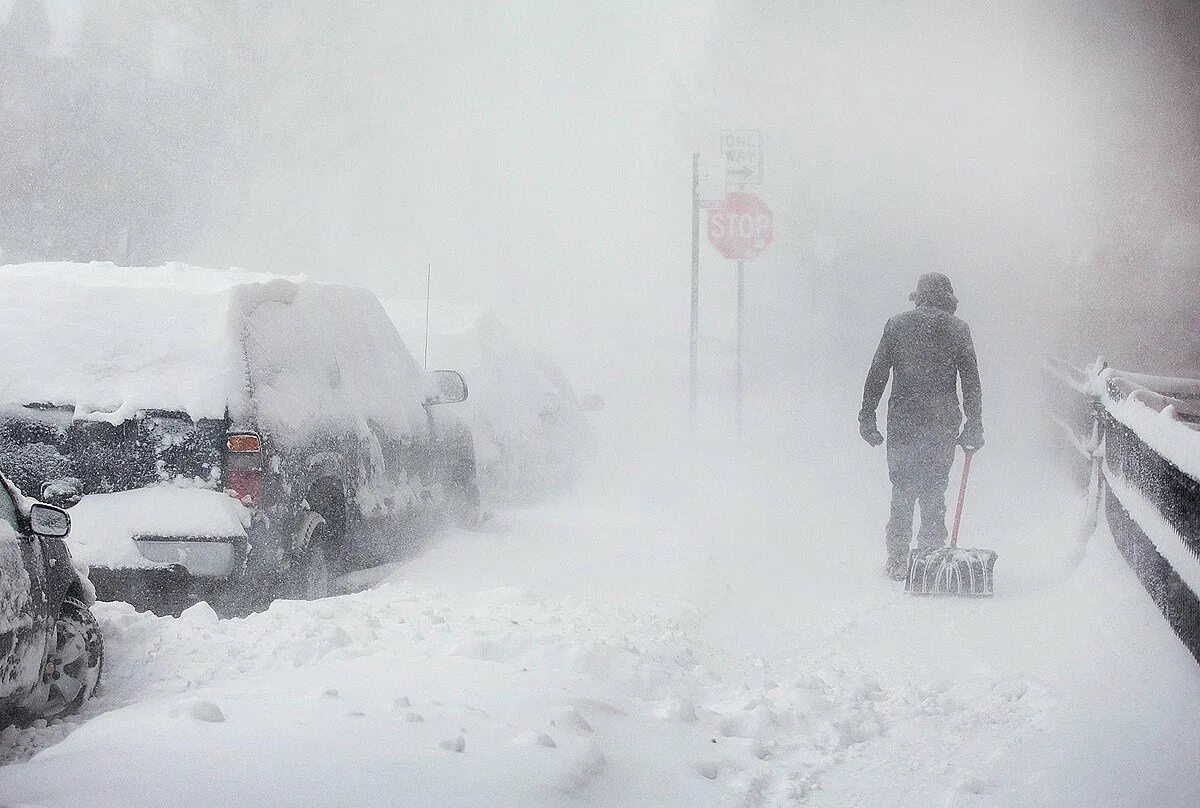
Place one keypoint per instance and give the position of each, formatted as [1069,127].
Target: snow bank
[103,525]
[499,697]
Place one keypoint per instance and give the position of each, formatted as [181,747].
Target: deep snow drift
[723,640]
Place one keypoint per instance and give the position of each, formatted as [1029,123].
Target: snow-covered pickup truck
[223,435]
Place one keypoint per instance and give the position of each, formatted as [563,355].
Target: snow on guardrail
[1146,431]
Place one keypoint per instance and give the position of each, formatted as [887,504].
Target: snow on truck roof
[110,341]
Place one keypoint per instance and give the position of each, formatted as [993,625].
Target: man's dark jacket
[926,350]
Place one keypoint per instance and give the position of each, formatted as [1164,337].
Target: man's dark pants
[919,468]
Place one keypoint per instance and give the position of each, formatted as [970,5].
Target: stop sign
[740,227]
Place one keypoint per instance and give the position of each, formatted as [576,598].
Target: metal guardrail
[1153,506]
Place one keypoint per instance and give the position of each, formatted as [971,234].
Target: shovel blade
[954,571]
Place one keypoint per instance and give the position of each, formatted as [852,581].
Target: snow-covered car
[532,436]
[227,436]
[51,651]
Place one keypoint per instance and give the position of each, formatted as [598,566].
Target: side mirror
[592,403]
[47,520]
[451,388]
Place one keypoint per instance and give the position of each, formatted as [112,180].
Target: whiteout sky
[538,155]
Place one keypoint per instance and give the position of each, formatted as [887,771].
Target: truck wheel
[308,576]
[73,669]
[464,504]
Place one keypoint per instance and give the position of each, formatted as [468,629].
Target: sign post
[741,318]
[694,329]
[706,175]
[740,229]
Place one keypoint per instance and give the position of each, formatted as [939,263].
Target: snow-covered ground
[661,639]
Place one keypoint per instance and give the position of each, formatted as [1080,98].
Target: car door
[23,613]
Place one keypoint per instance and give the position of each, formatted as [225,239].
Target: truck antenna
[428,285]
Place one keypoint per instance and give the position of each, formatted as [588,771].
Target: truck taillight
[244,485]
[243,467]
[243,443]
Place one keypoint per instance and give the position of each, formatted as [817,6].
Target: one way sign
[743,153]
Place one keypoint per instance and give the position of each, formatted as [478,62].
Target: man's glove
[868,430]
[971,438]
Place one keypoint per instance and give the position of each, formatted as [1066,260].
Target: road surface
[662,637]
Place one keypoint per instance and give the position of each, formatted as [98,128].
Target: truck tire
[308,576]
[465,507]
[73,669]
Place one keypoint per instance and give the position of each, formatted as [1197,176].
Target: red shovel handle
[962,494]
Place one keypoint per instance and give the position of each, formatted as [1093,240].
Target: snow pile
[531,437]
[498,697]
[103,525]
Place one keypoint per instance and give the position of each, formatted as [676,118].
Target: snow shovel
[952,570]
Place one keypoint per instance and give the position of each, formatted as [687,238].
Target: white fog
[241,240]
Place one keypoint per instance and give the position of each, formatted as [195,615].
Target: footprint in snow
[571,719]
[457,744]
[199,709]
[676,708]
[970,791]
[535,739]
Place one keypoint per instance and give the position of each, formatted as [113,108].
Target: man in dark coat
[926,351]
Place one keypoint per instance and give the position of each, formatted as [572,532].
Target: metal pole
[741,311]
[694,331]
[428,286]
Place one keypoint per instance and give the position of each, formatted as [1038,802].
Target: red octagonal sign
[740,227]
